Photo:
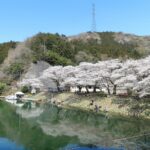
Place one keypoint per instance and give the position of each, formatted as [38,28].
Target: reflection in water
[91,128]
[54,128]
[77,147]
[96,129]
[6,144]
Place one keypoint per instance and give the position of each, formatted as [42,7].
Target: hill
[142,42]
[57,49]
[4,48]
[60,49]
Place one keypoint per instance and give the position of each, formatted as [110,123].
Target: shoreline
[73,101]
[105,105]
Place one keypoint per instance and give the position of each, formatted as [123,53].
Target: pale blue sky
[20,19]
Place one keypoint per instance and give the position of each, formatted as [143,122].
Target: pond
[6,144]
[51,128]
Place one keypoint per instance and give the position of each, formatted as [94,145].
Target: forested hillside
[62,50]
[58,49]
[4,48]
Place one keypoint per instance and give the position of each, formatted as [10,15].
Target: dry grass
[82,102]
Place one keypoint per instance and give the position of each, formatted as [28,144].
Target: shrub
[15,70]
[55,59]
[2,87]
[102,94]
[25,89]
[135,109]
[147,112]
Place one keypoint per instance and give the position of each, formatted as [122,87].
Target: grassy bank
[111,105]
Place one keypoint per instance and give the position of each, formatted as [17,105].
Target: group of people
[96,106]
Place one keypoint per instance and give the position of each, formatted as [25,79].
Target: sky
[20,19]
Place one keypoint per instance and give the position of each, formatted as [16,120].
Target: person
[92,102]
[106,109]
[54,102]
[96,108]
[106,113]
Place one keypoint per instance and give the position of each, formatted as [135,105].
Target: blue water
[6,144]
[77,147]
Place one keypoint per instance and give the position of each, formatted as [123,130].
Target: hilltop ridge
[57,49]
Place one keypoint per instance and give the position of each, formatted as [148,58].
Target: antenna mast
[93,18]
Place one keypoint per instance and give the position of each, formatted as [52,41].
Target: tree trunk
[80,88]
[114,89]
[108,90]
[87,90]
[94,90]
[57,84]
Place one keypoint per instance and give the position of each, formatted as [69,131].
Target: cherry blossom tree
[111,76]
[53,73]
[33,82]
[143,87]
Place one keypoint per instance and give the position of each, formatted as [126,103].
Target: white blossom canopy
[130,74]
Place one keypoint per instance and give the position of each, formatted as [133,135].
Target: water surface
[56,128]
[6,144]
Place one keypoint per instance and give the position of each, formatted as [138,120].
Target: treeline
[107,48]
[52,48]
[115,49]
[4,48]
[58,50]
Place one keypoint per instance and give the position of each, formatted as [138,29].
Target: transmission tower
[93,18]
